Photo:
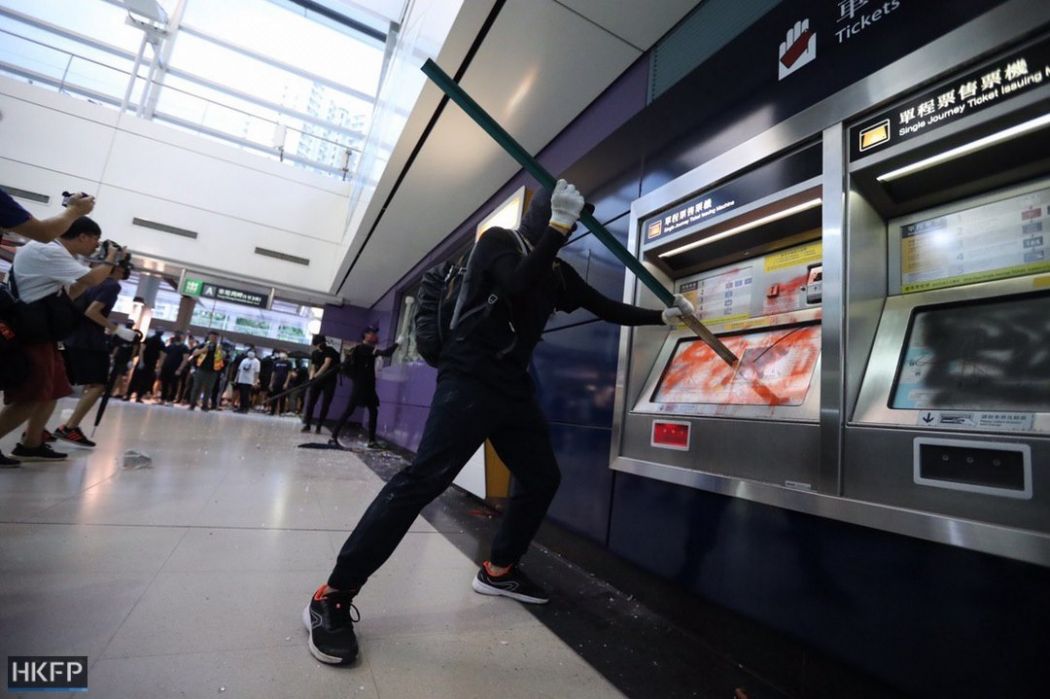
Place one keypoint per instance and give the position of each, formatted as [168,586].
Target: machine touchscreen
[992,355]
[775,368]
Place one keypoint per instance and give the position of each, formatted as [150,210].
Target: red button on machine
[671,435]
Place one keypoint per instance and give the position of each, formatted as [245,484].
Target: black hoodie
[532,287]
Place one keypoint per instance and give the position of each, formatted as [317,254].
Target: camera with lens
[104,248]
[66,196]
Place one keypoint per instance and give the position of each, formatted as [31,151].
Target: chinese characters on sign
[685,215]
[225,293]
[980,89]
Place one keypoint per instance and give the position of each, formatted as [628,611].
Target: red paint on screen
[775,368]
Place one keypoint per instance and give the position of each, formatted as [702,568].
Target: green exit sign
[192,286]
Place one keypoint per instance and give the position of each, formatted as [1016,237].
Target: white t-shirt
[41,269]
[248,370]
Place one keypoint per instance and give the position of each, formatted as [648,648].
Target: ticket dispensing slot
[754,272]
[952,323]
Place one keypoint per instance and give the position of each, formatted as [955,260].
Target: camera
[66,196]
[102,251]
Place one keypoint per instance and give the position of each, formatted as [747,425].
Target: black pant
[169,384]
[328,389]
[356,402]
[246,396]
[463,414]
[141,382]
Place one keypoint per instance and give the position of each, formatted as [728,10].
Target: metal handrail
[63,83]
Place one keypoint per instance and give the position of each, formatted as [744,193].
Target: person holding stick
[483,392]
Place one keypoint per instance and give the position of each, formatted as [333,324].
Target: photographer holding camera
[45,277]
[16,219]
[87,350]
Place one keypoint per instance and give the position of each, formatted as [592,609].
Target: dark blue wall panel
[934,620]
[583,500]
[574,371]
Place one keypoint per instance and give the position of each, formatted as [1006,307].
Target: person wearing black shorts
[87,351]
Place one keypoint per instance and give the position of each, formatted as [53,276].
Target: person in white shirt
[247,377]
[40,270]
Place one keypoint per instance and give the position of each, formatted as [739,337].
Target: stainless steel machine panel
[880,467]
[968,356]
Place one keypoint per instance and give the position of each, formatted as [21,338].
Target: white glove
[400,340]
[566,205]
[682,307]
[125,334]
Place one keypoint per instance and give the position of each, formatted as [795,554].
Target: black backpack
[440,300]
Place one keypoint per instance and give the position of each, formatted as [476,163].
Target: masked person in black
[174,353]
[360,366]
[209,360]
[280,382]
[145,374]
[483,392]
[324,363]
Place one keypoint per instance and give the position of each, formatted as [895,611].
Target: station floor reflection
[187,576]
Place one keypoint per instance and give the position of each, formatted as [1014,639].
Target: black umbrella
[114,374]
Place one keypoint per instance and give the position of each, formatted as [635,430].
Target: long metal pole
[532,166]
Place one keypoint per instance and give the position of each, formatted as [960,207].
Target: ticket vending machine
[881,266]
[950,304]
[746,250]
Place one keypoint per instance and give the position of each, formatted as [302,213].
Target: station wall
[926,618]
[234,200]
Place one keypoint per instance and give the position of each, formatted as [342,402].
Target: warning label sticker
[960,419]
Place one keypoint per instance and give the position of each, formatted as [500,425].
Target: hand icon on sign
[798,49]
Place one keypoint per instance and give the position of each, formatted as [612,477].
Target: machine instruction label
[991,84]
[723,296]
[801,255]
[961,419]
[1003,239]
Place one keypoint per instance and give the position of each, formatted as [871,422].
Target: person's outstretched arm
[580,294]
[389,351]
[20,221]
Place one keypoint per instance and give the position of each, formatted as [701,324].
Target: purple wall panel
[405,390]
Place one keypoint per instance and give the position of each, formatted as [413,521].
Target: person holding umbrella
[87,350]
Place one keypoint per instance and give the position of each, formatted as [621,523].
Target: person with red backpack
[512,284]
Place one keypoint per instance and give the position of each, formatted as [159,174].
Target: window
[344,57]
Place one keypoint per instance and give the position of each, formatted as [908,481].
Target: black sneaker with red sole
[330,619]
[73,435]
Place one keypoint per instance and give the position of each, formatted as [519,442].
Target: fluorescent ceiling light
[951,154]
[776,216]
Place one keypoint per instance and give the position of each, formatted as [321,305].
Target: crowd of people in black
[56,333]
[172,368]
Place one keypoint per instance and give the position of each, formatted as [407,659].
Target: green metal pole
[532,166]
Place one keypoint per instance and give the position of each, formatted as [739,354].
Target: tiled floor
[187,578]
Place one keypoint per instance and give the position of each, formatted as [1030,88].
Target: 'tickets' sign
[994,82]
